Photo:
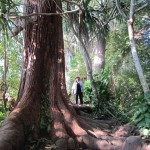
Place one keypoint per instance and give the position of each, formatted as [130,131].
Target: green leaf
[145,132]
[141,117]
[147,120]
[147,115]
[147,95]
[137,114]
[49,128]
[86,3]
[141,124]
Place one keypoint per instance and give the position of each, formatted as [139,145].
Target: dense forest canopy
[45,45]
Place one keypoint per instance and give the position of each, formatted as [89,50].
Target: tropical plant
[141,117]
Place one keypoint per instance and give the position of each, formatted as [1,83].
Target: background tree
[93,22]
[5,68]
[130,22]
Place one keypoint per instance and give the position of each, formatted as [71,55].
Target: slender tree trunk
[68,60]
[83,38]
[5,70]
[99,55]
[135,58]
[130,22]
[87,61]
[88,65]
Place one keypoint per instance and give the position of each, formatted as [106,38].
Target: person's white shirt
[74,87]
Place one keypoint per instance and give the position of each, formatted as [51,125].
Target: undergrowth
[106,107]
[141,115]
[3,113]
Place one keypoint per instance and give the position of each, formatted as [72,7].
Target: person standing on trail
[77,90]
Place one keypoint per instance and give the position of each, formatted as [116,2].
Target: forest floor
[110,128]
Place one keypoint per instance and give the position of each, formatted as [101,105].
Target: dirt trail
[110,135]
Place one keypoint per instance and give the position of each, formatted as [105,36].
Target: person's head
[77,79]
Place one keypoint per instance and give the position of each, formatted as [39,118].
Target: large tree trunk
[44,96]
[99,55]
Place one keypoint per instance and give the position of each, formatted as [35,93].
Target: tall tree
[81,32]
[92,20]
[99,14]
[130,23]
[99,55]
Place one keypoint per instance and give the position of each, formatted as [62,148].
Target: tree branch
[110,17]
[75,3]
[43,14]
[142,7]
[105,5]
[131,10]
[21,22]
[120,10]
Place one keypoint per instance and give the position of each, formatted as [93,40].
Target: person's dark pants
[80,96]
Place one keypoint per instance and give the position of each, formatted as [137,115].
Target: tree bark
[89,71]
[68,59]
[99,55]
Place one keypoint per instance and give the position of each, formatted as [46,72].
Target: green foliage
[77,68]
[105,107]
[95,18]
[117,47]
[2,117]
[7,8]
[3,113]
[101,82]
[145,132]
[88,94]
[127,87]
[14,68]
[147,96]
[141,115]
[102,106]
[14,62]
[144,56]
[125,84]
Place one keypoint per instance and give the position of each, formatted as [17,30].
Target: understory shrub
[141,111]
[106,106]
[3,114]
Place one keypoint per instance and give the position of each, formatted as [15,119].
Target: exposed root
[72,132]
[96,134]
[12,133]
